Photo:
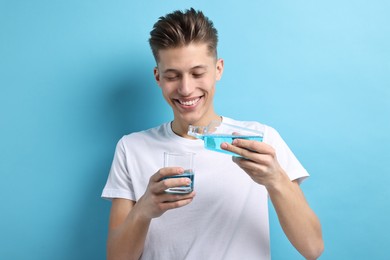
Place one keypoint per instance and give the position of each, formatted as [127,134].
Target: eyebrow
[193,68]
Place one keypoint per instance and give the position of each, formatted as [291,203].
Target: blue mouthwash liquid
[213,142]
[183,189]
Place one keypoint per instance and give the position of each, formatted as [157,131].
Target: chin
[189,119]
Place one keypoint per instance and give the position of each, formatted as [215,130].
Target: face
[187,77]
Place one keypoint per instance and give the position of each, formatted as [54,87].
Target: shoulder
[160,130]
[142,137]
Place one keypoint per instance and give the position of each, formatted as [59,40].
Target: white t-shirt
[228,218]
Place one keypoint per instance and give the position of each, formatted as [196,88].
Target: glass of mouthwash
[184,160]
[218,132]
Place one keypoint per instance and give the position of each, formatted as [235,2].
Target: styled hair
[178,29]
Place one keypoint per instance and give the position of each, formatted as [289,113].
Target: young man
[228,216]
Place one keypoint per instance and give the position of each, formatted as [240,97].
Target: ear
[156,75]
[219,68]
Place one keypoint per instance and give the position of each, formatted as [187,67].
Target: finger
[161,200]
[249,149]
[249,165]
[176,200]
[237,150]
[251,160]
[172,197]
[256,151]
[173,182]
[164,172]
[175,204]
[256,146]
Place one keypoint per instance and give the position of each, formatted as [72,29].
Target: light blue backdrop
[77,75]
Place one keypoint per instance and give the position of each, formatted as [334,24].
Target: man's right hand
[156,201]
[130,220]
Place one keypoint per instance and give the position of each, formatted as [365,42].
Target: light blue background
[77,75]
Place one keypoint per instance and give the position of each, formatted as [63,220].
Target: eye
[198,75]
[171,77]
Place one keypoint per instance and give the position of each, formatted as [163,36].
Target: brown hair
[179,29]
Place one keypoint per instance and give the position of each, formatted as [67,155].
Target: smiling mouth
[189,102]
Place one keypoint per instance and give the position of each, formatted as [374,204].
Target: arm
[127,231]
[130,221]
[298,221]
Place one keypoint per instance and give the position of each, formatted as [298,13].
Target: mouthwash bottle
[218,132]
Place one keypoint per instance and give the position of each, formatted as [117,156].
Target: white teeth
[189,102]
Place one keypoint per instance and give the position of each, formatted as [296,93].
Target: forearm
[127,240]
[298,221]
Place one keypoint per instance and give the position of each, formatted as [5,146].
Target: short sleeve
[285,156]
[119,184]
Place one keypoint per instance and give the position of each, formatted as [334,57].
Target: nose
[185,87]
